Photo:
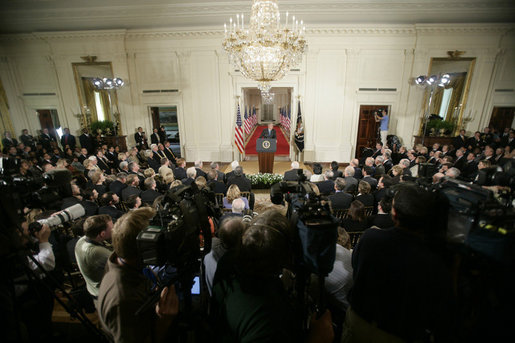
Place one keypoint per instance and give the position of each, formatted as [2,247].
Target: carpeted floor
[283,148]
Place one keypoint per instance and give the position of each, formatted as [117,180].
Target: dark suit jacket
[387,165]
[357,173]
[366,199]
[101,189]
[221,176]
[149,196]
[371,181]
[340,200]
[265,134]
[117,187]
[383,221]
[351,184]
[152,163]
[170,155]
[459,142]
[71,141]
[112,211]
[154,138]
[82,158]
[200,172]
[46,139]
[139,139]
[179,173]
[379,194]
[103,165]
[460,164]
[86,142]
[188,181]
[291,175]
[217,186]
[337,173]
[326,187]
[69,201]
[130,190]
[90,207]
[242,182]
[379,171]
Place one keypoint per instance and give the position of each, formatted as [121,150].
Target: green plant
[103,125]
[440,124]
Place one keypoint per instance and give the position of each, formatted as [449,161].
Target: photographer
[35,298]
[382,117]
[91,252]
[124,288]
[402,285]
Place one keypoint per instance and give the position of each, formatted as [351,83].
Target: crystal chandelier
[266,50]
[268,98]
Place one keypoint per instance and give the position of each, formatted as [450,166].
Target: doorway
[502,117]
[167,116]
[368,128]
[48,119]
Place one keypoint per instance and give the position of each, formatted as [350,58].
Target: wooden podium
[266,148]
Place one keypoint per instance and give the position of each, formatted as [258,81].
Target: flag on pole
[299,131]
[287,119]
[247,122]
[238,132]
[254,116]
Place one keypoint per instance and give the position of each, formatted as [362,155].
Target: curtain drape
[458,84]
[89,93]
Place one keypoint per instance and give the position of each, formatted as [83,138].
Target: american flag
[281,113]
[248,125]
[287,120]
[254,117]
[238,132]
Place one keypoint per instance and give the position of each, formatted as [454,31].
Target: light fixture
[431,82]
[268,98]
[107,83]
[267,49]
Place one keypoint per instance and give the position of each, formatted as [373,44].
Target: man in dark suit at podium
[269,132]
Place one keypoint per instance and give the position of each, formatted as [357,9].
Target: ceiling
[23,16]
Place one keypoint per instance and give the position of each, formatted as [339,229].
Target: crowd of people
[395,285]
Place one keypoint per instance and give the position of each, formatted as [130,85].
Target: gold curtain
[106,105]
[437,101]
[89,93]
[457,84]
[5,118]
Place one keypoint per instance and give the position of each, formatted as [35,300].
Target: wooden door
[368,133]
[45,120]
[502,117]
[155,118]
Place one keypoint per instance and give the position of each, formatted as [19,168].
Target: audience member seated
[351,183]
[98,179]
[132,187]
[364,195]
[383,218]
[216,167]
[230,174]
[317,173]
[243,184]
[384,182]
[233,192]
[165,167]
[336,173]
[368,177]
[354,163]
[119,184]
[356,219]
[410,255]
[326,187]
[340,200]
[89,202]
[379,168]
[213,182]
[151,160]
[198,167]
[191,174]
[133,202]
[150,194]
[180,172]
[109,202]
[124,288]
[292,174]
[91,253]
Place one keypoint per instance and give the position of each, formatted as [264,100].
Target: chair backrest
[226,210]
[354,238]
[219,199]
[246,195]
[369,210]
[122,206]
[341,214]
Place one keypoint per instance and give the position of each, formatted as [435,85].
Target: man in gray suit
[351,183]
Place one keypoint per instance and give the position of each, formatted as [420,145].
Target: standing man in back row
[384,119]
[269,132]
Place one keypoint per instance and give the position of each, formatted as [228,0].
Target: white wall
[340,60]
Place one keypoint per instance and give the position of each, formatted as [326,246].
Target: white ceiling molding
[24,16]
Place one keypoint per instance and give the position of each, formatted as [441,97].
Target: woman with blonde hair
[234,193]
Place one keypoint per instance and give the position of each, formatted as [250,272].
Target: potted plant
[103,127]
